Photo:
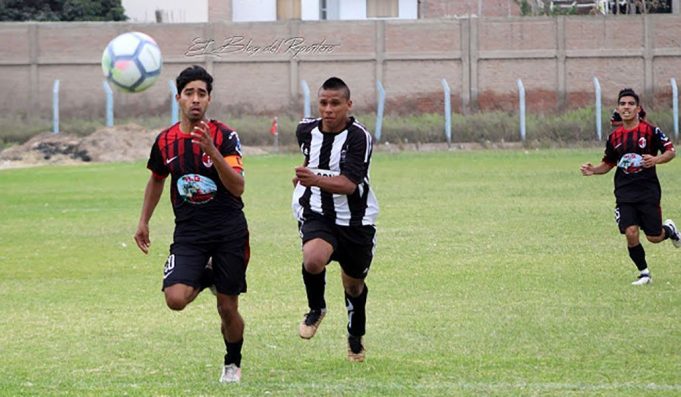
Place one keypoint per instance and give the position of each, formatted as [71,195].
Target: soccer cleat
[230,374]
[643,279]
[356,350]
[675,237]
[310,323]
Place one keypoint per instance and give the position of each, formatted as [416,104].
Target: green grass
[496,273]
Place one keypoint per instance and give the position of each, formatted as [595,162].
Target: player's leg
[628,221]
[230,261]
[356,292]
[655,230]
[232,327]
[356,251]
[318,247]
[182,274]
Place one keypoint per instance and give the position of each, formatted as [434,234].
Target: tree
[61,10]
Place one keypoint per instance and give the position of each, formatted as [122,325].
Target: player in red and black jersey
[203,159]
[635,148]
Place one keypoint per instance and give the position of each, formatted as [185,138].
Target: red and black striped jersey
[625,150]
[204,209]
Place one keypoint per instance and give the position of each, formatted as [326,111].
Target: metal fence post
[675,106]
[109,103]
[55,107]
[599,121]
[521,106]
[448,111]
[307,110]
[379,110]
[173,102]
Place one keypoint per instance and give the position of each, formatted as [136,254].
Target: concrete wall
[258,66]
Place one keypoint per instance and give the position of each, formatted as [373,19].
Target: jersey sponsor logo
[631,163]
[196,189]
[206,160]
[170,160]
[642,142]
[323,172]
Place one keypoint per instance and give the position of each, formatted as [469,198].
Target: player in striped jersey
[203,159]
[336,209]
[633,148]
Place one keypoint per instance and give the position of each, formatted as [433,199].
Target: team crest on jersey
[196,189]
[631,163]
[642,142]
[206,160]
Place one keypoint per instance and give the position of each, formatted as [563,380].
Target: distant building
[181,11]
[168,11]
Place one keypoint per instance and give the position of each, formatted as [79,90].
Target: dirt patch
[125,143]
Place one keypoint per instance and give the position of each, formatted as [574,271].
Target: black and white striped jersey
[345,153]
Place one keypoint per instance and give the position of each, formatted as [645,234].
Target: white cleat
[675,237]
[643,279]
[230,374]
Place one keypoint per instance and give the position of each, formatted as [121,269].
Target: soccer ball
[132,62]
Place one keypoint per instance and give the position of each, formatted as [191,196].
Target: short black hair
[193,73]
[627,92]
[336,84]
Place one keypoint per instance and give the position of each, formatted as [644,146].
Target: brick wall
[258,67]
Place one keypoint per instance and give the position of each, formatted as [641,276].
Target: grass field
[497,273]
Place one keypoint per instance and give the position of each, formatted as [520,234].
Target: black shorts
[186,263]
[648,216]
[353,246]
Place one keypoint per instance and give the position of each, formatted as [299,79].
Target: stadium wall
[259,66]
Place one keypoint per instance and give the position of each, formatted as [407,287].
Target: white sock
[645,272]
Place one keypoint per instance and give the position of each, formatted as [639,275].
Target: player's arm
[339,184]
[650,161]
[152,195]
[589,169]
[667,148]
[231,180]
[295,178]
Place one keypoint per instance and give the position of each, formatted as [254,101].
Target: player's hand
[587,169]
[649,160]
[201,136]
[306,177]
[294,181]
[142,237]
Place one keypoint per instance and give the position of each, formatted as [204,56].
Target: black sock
[233,355]
[638,255]
[357,317]
[314,286]
[668,233]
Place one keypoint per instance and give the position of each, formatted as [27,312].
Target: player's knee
[655,239]
[631,232]
[354,290]
[228,310]
[314,264]
[175,302]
